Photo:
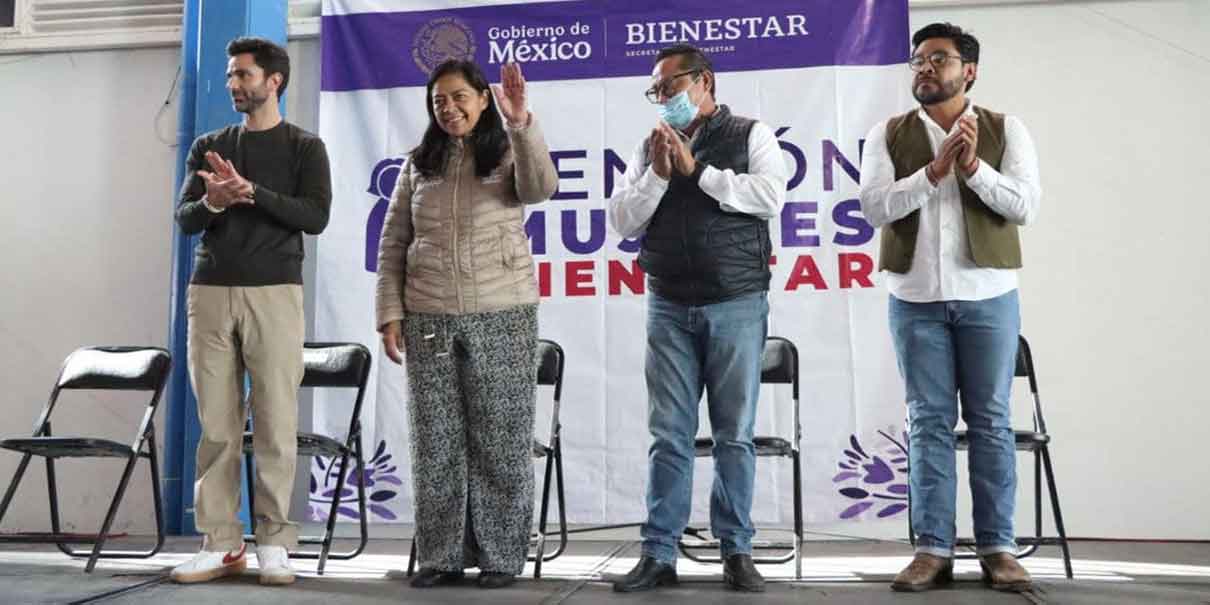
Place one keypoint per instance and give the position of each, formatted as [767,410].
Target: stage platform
[833,572]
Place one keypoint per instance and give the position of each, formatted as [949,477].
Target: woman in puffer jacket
[456,292]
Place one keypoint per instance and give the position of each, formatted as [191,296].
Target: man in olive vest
[949,183]
[700,190]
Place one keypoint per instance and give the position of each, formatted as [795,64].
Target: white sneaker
[208,565]
[274,565]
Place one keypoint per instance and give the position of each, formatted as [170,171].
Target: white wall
[88,166]
[1112,291]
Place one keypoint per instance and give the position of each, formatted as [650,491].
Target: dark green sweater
[257,244]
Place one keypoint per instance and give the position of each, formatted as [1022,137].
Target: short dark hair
[691,58]
[488,139]
[269,55]
[967,45]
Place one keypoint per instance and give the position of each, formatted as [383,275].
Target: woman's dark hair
[487,139]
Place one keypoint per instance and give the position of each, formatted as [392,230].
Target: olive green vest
[994,242]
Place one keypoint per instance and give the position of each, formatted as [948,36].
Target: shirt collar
[928,120]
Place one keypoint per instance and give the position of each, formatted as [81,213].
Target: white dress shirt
[942,268]
[761,192]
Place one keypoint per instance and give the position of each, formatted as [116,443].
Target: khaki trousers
[260,330]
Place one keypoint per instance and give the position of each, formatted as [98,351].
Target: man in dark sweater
[700,190]
[252,190]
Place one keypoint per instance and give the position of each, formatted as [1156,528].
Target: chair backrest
[779,363]
[1025,369]
[1025,364]
[550,364]
[115,368]
[335,364]
[112,368]
[550,360]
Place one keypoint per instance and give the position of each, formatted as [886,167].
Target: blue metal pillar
[204,106]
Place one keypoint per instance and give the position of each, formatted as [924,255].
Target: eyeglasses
[664,87]
[937,59]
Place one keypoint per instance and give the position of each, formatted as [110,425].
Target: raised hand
[510,95]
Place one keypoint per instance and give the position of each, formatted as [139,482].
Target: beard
[251,100]
[944,90]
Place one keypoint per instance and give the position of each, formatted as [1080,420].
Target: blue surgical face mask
[679,111]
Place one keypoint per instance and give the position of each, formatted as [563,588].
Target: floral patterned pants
[472,384]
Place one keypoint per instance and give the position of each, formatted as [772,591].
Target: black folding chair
[779,365]
[550,373]
[550,360]
[96,368]
[333,365]
[1038,442]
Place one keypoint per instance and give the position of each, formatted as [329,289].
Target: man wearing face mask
[700,190]
[251,190]
[949,183]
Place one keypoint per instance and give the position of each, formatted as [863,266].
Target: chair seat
[309,444]
[1025,440]
[67,447]
[765,446]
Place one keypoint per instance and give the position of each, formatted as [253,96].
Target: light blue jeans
[716,348]
[946,350]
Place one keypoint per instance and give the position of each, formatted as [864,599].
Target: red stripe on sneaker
[228,559]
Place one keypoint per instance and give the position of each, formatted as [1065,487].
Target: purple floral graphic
[379,479]
[880,478]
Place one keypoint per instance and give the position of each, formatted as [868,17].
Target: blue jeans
[716,348]
[946,349]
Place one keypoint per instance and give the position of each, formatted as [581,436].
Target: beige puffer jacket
[456,244]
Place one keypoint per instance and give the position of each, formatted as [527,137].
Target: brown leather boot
[925,572]
[1002,571]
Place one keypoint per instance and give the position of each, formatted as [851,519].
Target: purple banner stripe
[609,38]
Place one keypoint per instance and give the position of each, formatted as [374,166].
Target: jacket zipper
[457,267]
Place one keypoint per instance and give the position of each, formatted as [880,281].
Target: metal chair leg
[52,490]
[330,526]
[1054,502]
[153,460]
[562,500]
[544,509]
[251,490]
[12,485]
[797,517]
[112,512]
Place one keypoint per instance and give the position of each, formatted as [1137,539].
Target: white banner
[819,72]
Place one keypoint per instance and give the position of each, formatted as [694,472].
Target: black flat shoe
[739,573]
[495,579]
[646,575]
[428,578]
